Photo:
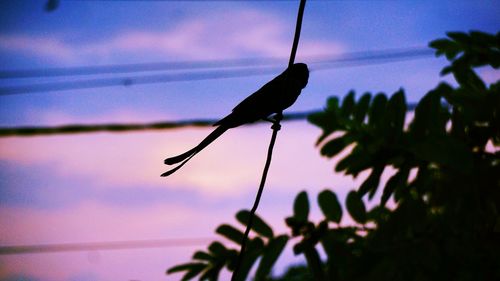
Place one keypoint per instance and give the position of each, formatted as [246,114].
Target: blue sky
[106,187]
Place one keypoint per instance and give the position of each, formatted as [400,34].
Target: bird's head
[299,74]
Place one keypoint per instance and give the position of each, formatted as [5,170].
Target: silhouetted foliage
[444,165]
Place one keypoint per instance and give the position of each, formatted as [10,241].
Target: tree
[445,164]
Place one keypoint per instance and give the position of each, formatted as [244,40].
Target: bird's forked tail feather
[186,156]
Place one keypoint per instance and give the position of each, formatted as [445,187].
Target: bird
[274,97]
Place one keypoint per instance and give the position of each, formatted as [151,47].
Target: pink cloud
[92,222]
[205,37]
[230,166]
[51,47]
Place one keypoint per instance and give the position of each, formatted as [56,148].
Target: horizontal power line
[355,59]
[136,67]
[99,246]
[136,80]
[86,128]
[205,64]
[80,128]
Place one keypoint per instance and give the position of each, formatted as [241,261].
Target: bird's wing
[260,98]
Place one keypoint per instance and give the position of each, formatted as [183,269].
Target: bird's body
[275,96]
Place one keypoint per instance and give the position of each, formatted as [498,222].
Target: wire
[127,81]
[137,67]
[80,128]
[27,131]
[318,63]
[389,54]
[98,246]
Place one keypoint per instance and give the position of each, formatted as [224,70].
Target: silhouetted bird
[274,97]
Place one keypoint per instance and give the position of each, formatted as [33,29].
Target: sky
[106,187]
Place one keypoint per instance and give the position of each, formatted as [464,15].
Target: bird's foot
[276,121]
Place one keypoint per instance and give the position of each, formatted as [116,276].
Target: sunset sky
[102,187]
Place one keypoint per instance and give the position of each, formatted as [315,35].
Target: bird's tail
[186,156]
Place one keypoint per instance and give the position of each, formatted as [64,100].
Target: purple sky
[106,187]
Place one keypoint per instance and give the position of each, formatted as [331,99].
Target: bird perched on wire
[275,96]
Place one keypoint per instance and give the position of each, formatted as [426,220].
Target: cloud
[50,47]
[91,222]
[221,35]
[230,166]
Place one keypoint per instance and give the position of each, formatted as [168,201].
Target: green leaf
[217,249]
[481,38]
[354,163]
[361,108]
[371,183]
[271,254]
[460,37]
[258,224]
[230,233]
[301,207]
[254,250]
[212,273]
[396,112]
[200,255]
[195,270]
[330,206]
[327,120]
[185,267]
[377,110]
[429,118]
[447,47]
[335,146]
[356,207]
[398,180]
[467,78]
[348,104]
[231,259]
[446,151]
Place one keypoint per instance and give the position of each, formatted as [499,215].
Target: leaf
[354,163]
[396,181]
[362,108]
[356,207]
[377,110]
[330,206]
[195,270]
[217,249]
[460,37]
[396,112]
[299,248]
[212,273]
[185,267]
[232,259]
[271,254]
[371,183]
[481,38]
[378,214]
[444,46]
[258,224]
[467,78]
[348,104]
[301,207]
[200,255]
[446,151]
[253,252]
[230,233]
[429,118]
[326,120]
[335,146]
